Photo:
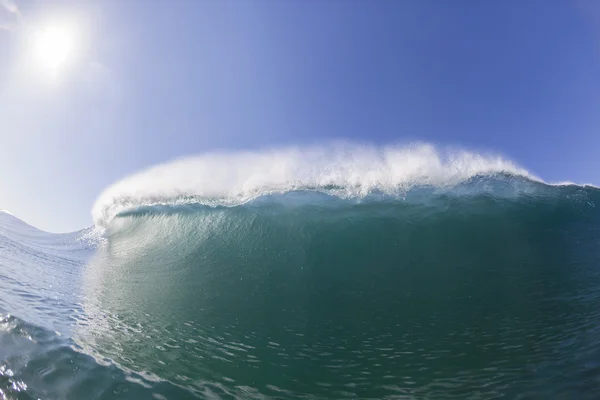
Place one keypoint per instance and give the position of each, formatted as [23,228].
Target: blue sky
[148,81]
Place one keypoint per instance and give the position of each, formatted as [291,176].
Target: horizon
[91,92]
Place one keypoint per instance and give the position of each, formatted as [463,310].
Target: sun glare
[52,47]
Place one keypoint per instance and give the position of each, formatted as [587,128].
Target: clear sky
[143,82]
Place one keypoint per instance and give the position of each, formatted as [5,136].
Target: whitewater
[342,270]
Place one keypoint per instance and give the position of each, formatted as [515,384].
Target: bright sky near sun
[91,91]
[53,46]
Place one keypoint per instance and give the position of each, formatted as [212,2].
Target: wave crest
[342,169]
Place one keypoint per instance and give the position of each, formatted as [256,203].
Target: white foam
[231,178]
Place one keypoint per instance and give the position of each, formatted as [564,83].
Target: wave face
[463,276]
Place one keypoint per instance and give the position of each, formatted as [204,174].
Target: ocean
[341,272]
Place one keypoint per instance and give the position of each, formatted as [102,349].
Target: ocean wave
[312,273]
[343,170]
[356,294]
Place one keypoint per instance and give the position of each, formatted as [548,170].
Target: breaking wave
[343,170]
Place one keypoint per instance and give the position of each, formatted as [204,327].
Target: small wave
[345,170]
[59,244]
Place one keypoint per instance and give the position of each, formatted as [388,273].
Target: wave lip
[345,170]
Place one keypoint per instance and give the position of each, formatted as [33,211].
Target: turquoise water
[469,293]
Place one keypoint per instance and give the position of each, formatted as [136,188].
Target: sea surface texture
[338,273]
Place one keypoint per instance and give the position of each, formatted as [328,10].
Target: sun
[52,47]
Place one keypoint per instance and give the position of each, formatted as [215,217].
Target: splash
[346,170]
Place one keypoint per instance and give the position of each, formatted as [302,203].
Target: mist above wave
[343,169]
